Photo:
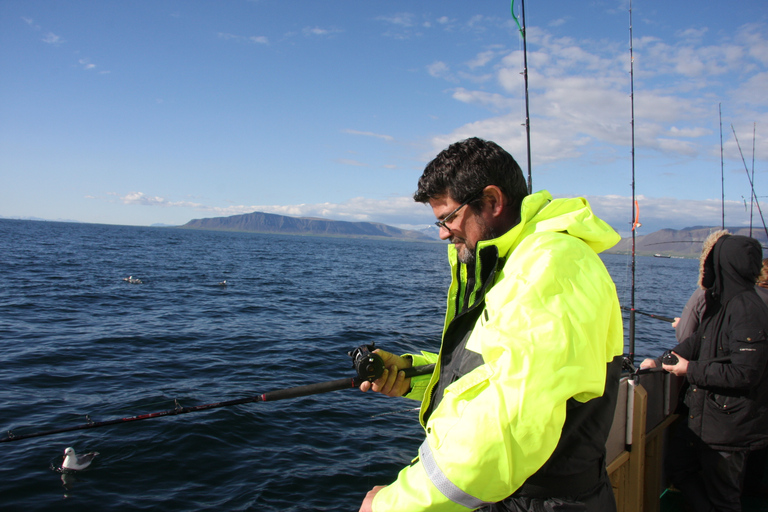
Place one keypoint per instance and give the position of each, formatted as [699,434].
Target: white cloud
[403,19]
[481,59]
[392,211]
[87,64]
[353,163]
[663,212]
[317,31]
[243,39]
[388,138]
[492,100]
[438,69]
[52,38]
[30,22]
[579,93]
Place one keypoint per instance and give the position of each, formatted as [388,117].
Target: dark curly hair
[468,166]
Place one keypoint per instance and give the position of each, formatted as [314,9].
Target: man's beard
[468,255]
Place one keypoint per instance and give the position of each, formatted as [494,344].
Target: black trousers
[710,480]
[598,499]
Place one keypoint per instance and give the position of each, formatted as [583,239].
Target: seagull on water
[132,280]
[75,461]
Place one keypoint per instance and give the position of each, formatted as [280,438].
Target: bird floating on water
[132,280]
[77,462]
[223,283]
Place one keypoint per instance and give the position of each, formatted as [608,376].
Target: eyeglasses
[447,218]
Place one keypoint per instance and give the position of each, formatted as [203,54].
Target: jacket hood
[540,213]
[705,262]
[735,262]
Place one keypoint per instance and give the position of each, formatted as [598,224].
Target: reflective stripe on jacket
[549,324]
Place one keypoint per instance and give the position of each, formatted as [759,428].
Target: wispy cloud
[49,38]
[388,138]
[353,163]
[439,69]
[393,211]
[579,92]
[244,39]
[31,23]
[138,198]
[52,38]
[320,32]
[494,101]
[657,213]
[56,40]
[87,64]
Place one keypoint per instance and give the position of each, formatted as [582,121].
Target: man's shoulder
[553,244]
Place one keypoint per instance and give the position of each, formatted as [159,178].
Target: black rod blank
[270,396]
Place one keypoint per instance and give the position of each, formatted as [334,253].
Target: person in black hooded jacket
[725,363]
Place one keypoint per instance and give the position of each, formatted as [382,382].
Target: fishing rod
[751,182]
[657,317]
[722,172]
[635,212]
[525,81]
[751,199]
[368,365]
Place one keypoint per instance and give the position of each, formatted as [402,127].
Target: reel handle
[369,365]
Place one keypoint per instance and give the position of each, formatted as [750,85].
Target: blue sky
[162,111]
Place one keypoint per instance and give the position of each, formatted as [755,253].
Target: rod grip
[414,371]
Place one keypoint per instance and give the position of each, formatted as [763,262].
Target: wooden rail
[635,448]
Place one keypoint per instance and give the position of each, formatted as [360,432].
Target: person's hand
[367,505]
[680,369]
[677,321]
[648,363]
[392,381]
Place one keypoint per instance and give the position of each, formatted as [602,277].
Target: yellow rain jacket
[549,324]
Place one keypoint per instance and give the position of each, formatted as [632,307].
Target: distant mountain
[684,243]
[259,222]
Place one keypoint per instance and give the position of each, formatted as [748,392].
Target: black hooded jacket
[728,401]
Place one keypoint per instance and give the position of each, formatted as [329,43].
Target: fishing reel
[669,358]
[369,366]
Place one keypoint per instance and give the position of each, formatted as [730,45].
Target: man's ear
[495,199]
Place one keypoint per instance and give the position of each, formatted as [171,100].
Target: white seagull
[75,461]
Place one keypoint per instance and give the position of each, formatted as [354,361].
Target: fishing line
[393,413]
[369,367]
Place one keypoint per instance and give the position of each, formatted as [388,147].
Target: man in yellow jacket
[518,408]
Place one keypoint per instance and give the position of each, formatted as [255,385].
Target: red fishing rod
[369,367]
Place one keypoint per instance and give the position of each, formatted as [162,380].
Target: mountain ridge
[680,243]
[260,222]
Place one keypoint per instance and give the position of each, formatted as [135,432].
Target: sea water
[80,344]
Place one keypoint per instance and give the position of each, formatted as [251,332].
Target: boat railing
[635,447]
